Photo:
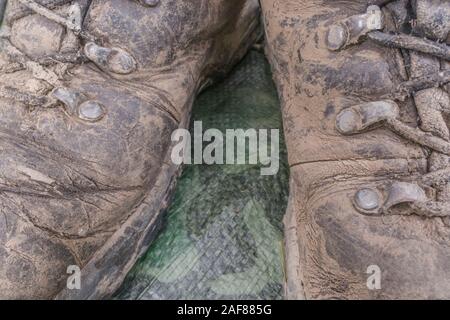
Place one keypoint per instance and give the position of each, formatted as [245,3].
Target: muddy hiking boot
[365,103]
[90,93]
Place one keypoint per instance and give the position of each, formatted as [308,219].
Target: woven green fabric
[223,235]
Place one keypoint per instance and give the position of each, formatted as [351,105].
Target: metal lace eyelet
[357,118]
[91,111]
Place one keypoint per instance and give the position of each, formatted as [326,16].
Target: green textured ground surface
[223,233]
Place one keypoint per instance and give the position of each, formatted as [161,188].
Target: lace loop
[38,68]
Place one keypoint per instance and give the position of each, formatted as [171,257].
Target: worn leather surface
[330,245]
[79,193]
